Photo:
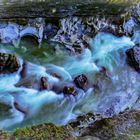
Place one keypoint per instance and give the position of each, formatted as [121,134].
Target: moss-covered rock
[125,126]
[121,127]
[44,131]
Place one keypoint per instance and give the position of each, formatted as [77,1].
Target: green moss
[136,132]
[45,131]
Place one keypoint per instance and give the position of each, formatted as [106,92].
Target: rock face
[58,8]
[133,57]
[8,63]
[125,126]
[136,13]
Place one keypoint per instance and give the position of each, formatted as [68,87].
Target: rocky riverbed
[72,78]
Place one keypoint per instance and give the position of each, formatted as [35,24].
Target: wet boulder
[133,57]
[9,63]
[44,83]
[69,90]
[81,81]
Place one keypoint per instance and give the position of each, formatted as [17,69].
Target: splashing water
[27,106]
[106,48]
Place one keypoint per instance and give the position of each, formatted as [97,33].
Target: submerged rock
[34,83]
[133,57]
[4,110]
[8,63]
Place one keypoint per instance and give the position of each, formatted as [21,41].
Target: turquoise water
[111,87]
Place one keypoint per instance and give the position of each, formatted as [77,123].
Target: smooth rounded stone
[69,90]
[9,63]
[81,81]
[133,57]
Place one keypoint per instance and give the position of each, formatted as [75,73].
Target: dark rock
[133,57]
[81,81]
[8,63]
[69,90]
[78,49]
[44,83]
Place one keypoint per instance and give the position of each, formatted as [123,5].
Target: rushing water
[112,85]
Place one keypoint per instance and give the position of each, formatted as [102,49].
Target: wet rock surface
[69,90]
[133,57]
[9,63]
[43,93]
[136,13]
[37,8]
[125,126]
[81,81]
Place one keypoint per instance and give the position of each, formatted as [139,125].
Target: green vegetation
[40,132]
